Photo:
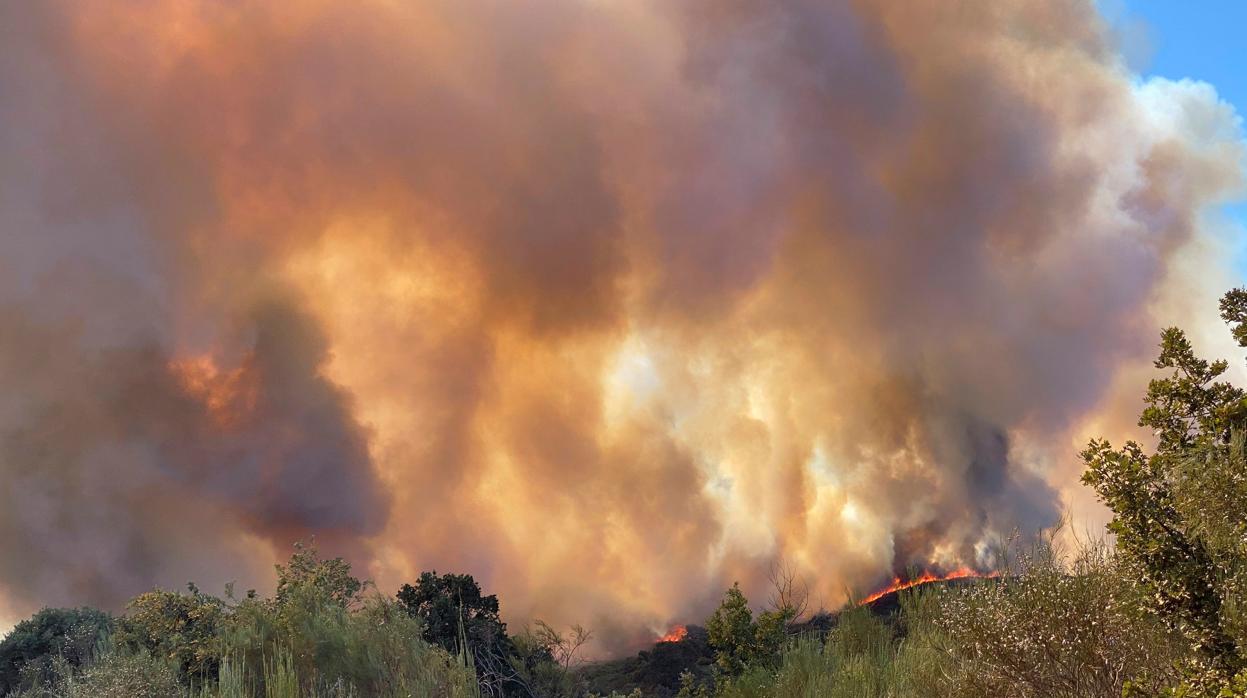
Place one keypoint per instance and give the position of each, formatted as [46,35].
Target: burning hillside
[676,634]
[899,583]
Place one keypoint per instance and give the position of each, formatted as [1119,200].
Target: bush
[1180,512]
[322,636]
[179,628]
[28,651]
[123,675]
[1053,626]
[742,643]
[863,656]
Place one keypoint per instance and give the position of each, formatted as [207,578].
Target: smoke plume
[606,303]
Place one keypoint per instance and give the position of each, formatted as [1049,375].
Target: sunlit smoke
[608,304]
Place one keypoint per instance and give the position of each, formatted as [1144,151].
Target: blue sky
[1202,39]
[1199,39]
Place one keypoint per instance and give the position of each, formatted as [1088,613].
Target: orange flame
[899,584]
[675,634]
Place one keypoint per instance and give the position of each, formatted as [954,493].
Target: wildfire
[225,393]
[899,584]
[675,634]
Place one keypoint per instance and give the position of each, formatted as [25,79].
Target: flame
[676,634]
[899,584]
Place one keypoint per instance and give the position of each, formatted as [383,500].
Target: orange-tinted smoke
[606,303]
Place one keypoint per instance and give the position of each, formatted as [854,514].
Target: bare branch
[788,591]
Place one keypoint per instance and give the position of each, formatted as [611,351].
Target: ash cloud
[606,303]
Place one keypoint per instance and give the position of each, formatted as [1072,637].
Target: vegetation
[1180,514]
[323,634]
[1159,611]
[67,634]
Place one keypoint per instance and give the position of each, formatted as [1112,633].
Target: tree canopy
[1187,554]
[28,649]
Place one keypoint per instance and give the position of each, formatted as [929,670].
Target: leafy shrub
[739,641]
[1180,513]
[180,628]
[28,651]
[323,636]
[1053,626]
[863,656]
[123,675]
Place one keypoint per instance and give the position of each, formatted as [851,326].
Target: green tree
[732,632]
[460,619]
[770,635]
[690,687]
[329,579]
[31,646]
[1166,532]
[179,628]
[447,602]
[330,634]
[741,642]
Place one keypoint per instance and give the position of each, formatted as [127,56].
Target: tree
[459,618]
[545,657]
[770,634]
[1164,529]
[690,687]
[562,648]
[330,579]
[740,641]
[731,631]
[181,628]
[789,593]
[28,649]
[447,601]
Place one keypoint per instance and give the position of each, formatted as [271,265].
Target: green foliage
[1211,490]
[1054,625]
[1178,513]
[327,579]
[690,687]
[865,656]
[534,663]
[739,641]
[771,634]
[322,636]
[543,659]
[446,602]
[179,628]
[732,632]
[460,619]
[29,650]
[113,675]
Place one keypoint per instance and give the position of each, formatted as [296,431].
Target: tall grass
[304,649]
[323,650]
[1058,623]
[864,656]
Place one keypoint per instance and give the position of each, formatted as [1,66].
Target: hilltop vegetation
[1160,612]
